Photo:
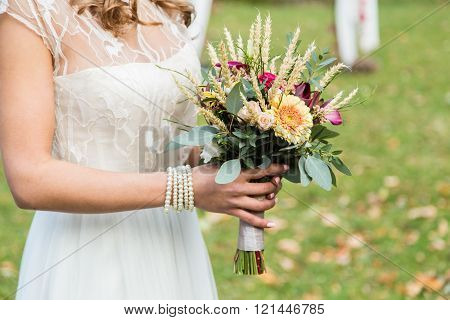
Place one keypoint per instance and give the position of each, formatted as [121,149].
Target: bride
[85,96]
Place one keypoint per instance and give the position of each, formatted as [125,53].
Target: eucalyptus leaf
[304,178]
[319,171]
[266,162]
[338,164]
[293,175]
[333,178]
[198,136]
[249,163]
[234,101]
[327,62]
[172,145]
[228,172]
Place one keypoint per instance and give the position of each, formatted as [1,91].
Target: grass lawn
[397,200]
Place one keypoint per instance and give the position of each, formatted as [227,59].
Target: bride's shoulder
[44,17]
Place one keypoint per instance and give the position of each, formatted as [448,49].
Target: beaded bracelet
[179,190]
[168,189]
[190,188]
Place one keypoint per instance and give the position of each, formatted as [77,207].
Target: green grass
[401,131]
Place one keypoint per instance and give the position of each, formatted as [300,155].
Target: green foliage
[229,171]
[234,101]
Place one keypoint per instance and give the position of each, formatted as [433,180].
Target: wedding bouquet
[261,110]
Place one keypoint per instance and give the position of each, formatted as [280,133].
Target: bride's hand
[238,198]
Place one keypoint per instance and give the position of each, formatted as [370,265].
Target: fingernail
[270,224]
[277,180]
[285,167]
[271,196]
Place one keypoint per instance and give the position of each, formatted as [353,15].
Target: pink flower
[334,117]
[234,64]
[303,91]
[267,78]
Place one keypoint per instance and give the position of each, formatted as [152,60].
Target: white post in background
[370,29]
[200,25]
[357,27]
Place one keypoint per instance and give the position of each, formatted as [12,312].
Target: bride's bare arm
[38,181]
[26,131]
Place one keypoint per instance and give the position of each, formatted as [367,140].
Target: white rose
[265,121]
[210,151]
[250,113]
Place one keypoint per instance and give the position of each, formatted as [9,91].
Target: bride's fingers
[259,189]
[256,205]
[252,219]
[272,170]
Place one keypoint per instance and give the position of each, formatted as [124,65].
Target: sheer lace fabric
[113,97]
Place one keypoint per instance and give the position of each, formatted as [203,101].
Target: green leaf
[240,134]
[198,136]
[316,84]
[172,145]
[304,178]
[294,146]
[228,172]
[319,171]
[327,62]
[333,178]
[266,162]
[234,102]
[293,175]
[205,74]
[326,148]
[337,152]
[320,132]
[249,163]
[338,164]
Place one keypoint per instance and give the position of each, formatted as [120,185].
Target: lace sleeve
[35,15]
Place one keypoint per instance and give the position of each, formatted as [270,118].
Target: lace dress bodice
[116,100]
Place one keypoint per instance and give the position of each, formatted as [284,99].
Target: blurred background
[397,145]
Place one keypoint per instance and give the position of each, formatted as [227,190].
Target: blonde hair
[116,15]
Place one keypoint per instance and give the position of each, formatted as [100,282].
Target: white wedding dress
[112,99]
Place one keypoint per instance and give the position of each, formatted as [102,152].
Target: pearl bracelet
[168,189]
[179,190]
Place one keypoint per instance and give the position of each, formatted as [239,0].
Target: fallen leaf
[413,288]
[315,256]
[7,269]
[442,227]
[430,281]
[343,256]
[412,237]
[269,277]
[443,188]
[437,244]
[391,182]
[312,296]
[287,263]
[426,212]
[355,241]
[288,203]
[329,219]
[289,245]
[387,278]
[374,212]
[344,200]
[280,224]
[393,143]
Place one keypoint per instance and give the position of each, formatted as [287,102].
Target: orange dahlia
[293,120]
